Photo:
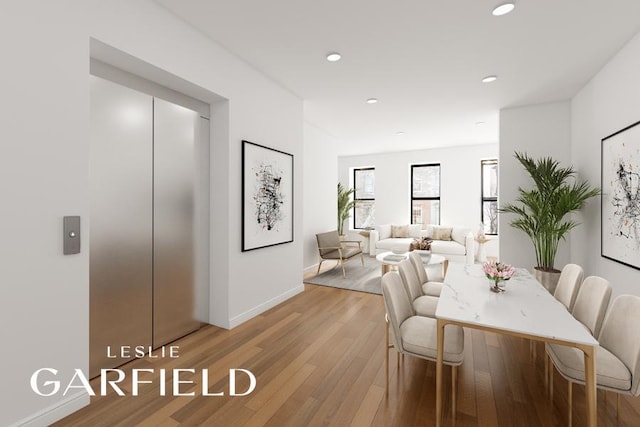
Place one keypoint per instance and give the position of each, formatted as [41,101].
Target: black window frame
[356,199]
[438,198]
[484,199]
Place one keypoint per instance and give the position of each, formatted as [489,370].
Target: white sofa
[461,247]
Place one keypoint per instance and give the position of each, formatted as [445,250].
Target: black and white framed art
[267,196]
[621,196]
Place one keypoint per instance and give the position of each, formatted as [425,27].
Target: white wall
[608,103]
[320,181]
[44,175]
[540,131]
[459,181]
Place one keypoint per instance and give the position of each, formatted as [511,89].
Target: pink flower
[498,271]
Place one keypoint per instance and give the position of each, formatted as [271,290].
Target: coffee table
[390,261]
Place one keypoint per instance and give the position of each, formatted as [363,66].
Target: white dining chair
[569,284]
[617,357]
[589,309]
[424,305]
[415,335]
[592,302]
[429,288]
[566,291]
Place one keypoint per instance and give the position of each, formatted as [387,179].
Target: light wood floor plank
[368,407]
[280,397]
[486,406]
[259,398]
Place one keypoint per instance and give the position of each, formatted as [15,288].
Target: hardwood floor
[319,360]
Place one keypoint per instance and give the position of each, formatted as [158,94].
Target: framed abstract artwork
[267,197]
[621,196]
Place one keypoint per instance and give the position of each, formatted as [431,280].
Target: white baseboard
[250,314]
[55,412]
[310,269]
[313,268]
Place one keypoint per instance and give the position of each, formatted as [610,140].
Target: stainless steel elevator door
[121,221]
[174,211]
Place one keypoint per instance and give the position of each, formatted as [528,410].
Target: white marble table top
[525,308]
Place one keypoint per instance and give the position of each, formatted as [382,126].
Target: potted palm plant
[540,212]
[345,204]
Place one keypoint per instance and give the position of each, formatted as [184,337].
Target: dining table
[525,309]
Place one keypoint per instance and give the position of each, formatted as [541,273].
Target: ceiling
[424,60]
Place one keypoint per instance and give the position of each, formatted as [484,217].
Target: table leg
[386,356]
[445,266]
[385,269]
[439,360]
[590,385]
[546,371]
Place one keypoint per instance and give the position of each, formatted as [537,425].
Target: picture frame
[620,203]
[267,196]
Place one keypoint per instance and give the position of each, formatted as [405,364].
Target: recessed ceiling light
[400,133]
[479,123]
[503,8]
[333,57]
[489,79]
[372,100]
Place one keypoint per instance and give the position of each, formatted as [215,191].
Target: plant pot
[549,279]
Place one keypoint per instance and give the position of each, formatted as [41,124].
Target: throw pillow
[414,230]
[399,231]
[442,233]
[460,235]
[428,231]
[384,231]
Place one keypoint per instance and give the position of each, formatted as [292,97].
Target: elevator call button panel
[71,235]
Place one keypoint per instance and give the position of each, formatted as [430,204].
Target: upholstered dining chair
[617,357]
[589,309]
[429,288]
[592,302]
[566,291]
[417,335]
[569,285]
[424,305]
[330,247]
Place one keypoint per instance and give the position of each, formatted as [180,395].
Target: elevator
[149,233]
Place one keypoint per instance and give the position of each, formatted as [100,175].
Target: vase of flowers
[498,273]
[422,247]
[422,244]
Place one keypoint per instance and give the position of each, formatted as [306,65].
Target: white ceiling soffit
[423,60]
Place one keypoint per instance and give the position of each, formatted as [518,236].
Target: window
[489,207]
[364,180]
[425,194]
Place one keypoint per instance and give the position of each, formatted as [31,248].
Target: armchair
[330,247]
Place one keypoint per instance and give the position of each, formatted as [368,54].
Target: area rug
[367,279]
